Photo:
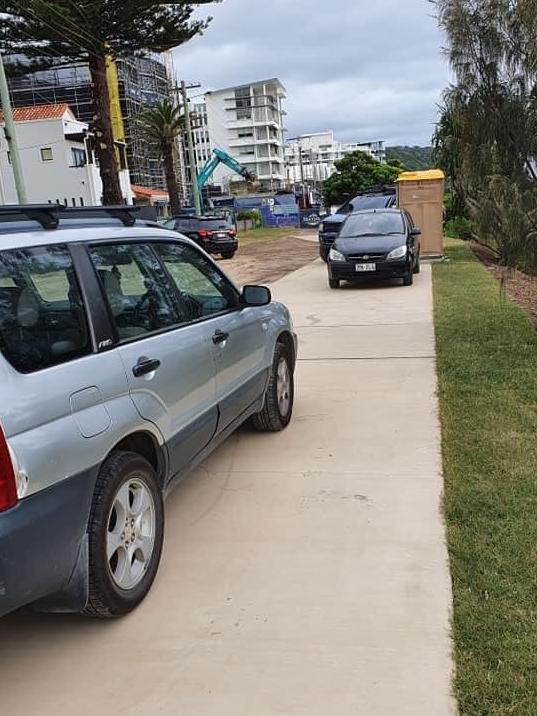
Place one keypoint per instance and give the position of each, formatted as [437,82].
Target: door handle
[220,336]
[145,366]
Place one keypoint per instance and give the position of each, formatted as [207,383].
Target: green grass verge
[487,368]
[259,235]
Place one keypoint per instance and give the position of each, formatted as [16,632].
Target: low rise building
[57,159]
[311,158]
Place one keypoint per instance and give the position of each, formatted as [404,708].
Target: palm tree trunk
[171,179]
[102,126]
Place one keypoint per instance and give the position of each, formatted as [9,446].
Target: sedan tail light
[8,485]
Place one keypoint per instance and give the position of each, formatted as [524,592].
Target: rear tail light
[8,484]
[232,232]
[204,234]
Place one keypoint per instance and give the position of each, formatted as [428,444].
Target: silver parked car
[126,356]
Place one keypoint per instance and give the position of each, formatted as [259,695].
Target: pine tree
[49,33]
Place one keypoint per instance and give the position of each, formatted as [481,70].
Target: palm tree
[161,125]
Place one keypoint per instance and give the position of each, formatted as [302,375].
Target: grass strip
[487,370]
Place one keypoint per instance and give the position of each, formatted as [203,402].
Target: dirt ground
[268,261]
[519,286]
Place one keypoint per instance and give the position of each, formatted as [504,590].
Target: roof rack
[49,215]
[44,214]
[123,212]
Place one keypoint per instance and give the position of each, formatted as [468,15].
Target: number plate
[221,236]
[366,267]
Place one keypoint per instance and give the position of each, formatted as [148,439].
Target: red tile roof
[147,191]
[40,111]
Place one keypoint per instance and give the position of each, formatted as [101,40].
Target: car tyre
[408,280]
[278,406]
[417,267]
[127,511]
[323,253]
[228,254]
[333,282]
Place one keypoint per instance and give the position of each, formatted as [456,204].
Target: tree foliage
[55,32]
[354,173]
[162,125]
[486,138]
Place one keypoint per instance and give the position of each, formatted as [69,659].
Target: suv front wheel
[125,530]
[278,406]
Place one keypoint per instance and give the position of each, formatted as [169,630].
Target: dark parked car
[215,234]
[329,229]
[380,243]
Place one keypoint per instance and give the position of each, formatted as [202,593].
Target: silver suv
[126,356]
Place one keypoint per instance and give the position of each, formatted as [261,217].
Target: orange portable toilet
[422,195]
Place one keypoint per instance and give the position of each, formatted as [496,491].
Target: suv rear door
[166,354]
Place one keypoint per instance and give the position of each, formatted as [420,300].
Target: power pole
[190,143]
[11,135]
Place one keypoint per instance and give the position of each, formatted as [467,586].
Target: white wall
[56,180]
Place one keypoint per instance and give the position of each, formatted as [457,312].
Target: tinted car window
[199,284]
[213,224]
[372,224]
[42,317]
[139,294]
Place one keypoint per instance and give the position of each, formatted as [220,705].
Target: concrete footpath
[304,573]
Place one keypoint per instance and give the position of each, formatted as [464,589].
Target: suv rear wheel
[125,529]
[228,254]
[278,406]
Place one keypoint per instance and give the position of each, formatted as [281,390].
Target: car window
[42,317]
[345,209]
[373,223]
[140,296]
[198,282]
[213,224]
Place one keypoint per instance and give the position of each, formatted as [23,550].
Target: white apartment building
[247,122]
[312,157]
[56,157]
[376,149]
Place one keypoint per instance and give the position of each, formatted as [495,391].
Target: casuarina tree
[161,125]
[356,172]
[48,33]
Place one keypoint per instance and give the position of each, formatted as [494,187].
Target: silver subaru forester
[126,356]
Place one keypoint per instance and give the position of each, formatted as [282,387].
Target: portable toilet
[421,193]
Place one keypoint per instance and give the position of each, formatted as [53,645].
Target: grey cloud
[368,70]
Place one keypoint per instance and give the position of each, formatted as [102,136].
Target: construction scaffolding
[141,82]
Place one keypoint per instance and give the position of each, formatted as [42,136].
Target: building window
[78,157]
[46,154]
[9,157]
[243,102]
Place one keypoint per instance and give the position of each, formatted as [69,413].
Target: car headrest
[112,287]
[27,309]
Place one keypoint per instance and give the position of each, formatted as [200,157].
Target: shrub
[460,228]
[250,215]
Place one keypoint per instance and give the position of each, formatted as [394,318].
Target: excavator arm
[221,157]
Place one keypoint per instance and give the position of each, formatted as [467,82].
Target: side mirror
[255,296]
[415,231]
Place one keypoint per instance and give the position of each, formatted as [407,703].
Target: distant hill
[412,157]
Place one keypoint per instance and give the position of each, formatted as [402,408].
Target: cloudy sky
[368,69]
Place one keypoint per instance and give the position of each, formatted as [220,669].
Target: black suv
[215,234]
[381,198]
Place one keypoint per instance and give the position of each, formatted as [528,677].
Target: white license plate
[366,267]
